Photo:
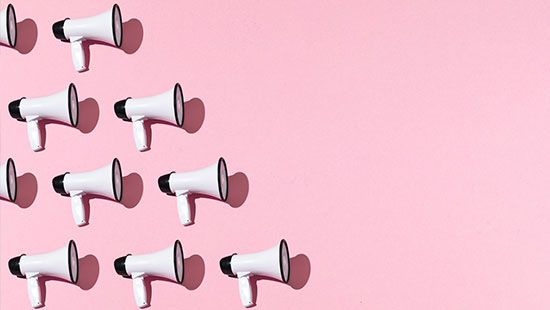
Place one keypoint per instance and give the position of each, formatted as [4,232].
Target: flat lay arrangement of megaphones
[107,181]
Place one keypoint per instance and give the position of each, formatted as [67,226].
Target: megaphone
[167,263]
[8,181]
[273,263]
[105,182]
[61,263]
[105,27]
[211,181]
[167,107]
[8,26]
[61,107]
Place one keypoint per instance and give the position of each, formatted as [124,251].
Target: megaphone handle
[139,292]
[245,291]
[35,296]
[139,135]
[184,210]
[78,55]
[78,210]
[35,138]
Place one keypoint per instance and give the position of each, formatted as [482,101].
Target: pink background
[400,149]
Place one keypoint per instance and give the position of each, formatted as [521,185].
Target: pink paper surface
[400,148]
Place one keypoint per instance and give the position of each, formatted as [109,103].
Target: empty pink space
[401,149]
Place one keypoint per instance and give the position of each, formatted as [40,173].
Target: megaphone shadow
[88,116]
[88,273]
[132,191]
[192,278]
[27,34]
[300,270]
[132,37]
[27,189]
[88,269]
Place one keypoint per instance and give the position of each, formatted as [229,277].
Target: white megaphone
[167,263]
[8,181]
[62,263]
[105,27]
[8,26]
[61,107]
[211,181]
[167,107]
[105,181]
[273,263]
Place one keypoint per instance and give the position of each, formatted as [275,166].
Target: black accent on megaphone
[120,110]
[225,266]
[176,88]
[281,245]
[14,266]
[12,41]
[180,281]
[164,184]
[117,8]
[58,31]
[120,266]
[57,183]
[221,161]
[116,163]
[73,122]
[8,164]
[15,112]
[74,280]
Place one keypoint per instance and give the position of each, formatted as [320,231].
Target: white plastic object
[61,106]
[167,263]
[105,27]
[78,54]
[140,293]
[184,209]
[167,107]
[211,181]
[105,182]
[245,290]
[140,136]
[273,263]
[77,205]
[61,263]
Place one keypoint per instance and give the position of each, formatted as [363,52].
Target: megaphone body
[8,181]
[105,27]
[61,107]
[167,107]
[8,26]
[273,263]
[167,264]
[105,182]
[61,263]
[211,181]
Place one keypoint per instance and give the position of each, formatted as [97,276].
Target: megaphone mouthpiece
[15,111]
[15,268]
